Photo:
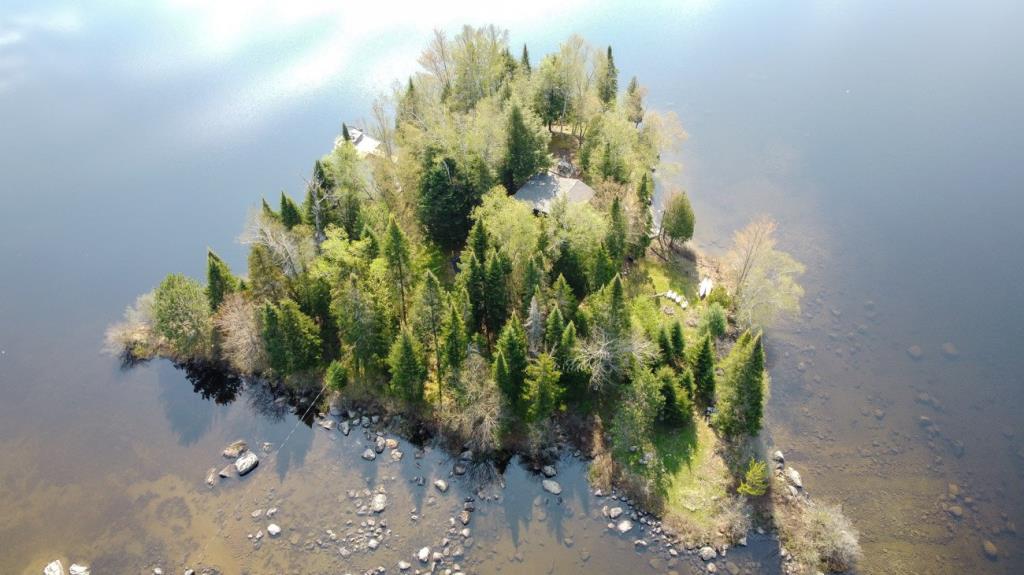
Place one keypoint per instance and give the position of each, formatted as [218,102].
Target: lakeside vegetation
[411,278]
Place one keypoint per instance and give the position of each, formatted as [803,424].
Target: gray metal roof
[542,189]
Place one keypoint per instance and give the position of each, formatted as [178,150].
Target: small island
[487,259]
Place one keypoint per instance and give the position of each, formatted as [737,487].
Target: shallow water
[882,137]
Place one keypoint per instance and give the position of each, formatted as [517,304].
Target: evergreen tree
[533,282]
[408,370]
[348,214]
[495,294]
[644,219]
[269,211]
[266,279]
[526,151]
[635,102]
[742,407]
[219,280]
[535,326]
[676,410]
[608,84]
[181,314]
[668,354]
[512,351]
[563,297]
[712,320]
[429,320]
[399,264]
[677,222]
[479,241]
[678,342]
[704,374]
[553,331]
[542,389]
[476,290]
[336,376]
[570,265]
[361,326]
[291,338]
[344,132]
[447,196]
[290,215]
[618,324]
[755,480]
[454,344]
[615,240]
[524,60]
[604,268]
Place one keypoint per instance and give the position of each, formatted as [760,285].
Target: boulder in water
[54,568]
[77,569]
[246,462]
[379,502]
[274,529]
[551,486]
[441,485]
[423,554]
[990,549]
[235,449]
[369,454]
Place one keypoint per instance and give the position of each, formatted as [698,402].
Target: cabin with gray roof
[542,189]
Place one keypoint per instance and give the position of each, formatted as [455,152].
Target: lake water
[884,138]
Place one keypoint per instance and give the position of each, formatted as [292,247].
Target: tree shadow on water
[190,412]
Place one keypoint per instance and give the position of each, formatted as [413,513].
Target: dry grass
[819,535]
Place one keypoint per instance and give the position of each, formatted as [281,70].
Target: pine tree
[644,219]
[478,241]
[618,314]
[553,330]
[269,211]
[563,297]
[526,152]
[542,389]
[447,196]
[676,410]
[344,132]
[742,407]
[608,84]
[615,240]
[408,370]
[429,320]
[290,215]
[336,376]
[476,290]
[524,60]
[571,267]
[266,280]
[635,102]
[454,344]
[533,282]
[512,351]
[399,264]
[291,337]
[219,280]
[678,342]
[704,374]
[495,293]
[361,325]
[604,268]
[668,355]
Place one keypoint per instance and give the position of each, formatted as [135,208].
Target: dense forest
[410,274]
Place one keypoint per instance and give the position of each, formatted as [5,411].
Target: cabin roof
[542,189]
[363,142]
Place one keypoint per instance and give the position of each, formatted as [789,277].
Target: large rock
[708,553]
[379,502]
[246,462]
[777,457]
[54,568]
[552,486]
[211,477]
[548,471]
[274,529]
[369,454]
[441,485]
[345,427]
[793,477]
[625,526]
[77,569]
[423,554]
[235,449]
[615,512]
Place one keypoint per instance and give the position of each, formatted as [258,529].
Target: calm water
[883,138]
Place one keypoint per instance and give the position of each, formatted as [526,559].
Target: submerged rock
[211,477]
[379,502]
[246,462]
[227,472]
[54,568]
[990,549]
[235,449]
[624,526]
[950,351]
[915,352]
[552,486]
[345,427]
[548,471]
[369,454]
[423,554]
[615,512]
[77,569]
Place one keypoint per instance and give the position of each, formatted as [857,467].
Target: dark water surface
[884,137]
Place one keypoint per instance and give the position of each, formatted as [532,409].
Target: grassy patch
[697,477]
[679,274]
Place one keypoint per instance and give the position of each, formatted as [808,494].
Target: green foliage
[638,410]
[336,377]
[553,330]
[290,215]
[742,407]
[676,410]
[398,258]
[668,354]
[677,221]
[608,82]
[755,481]
[291,338]
[447,196]
[533,282]
[563,297]
[266,279]
[643,219]
[495,296]
[219,280]
[181,314]
[634,103]
[678,341]
[524,60]
[454,344]
[704,374]
[615,241]
[408,370]
[526,148]
[719,296]
[428,319]
[542,389]
[712,320]
[604,268]
[571,267]
[362,326]
[510,365]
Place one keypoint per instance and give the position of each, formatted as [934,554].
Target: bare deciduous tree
[134,335]
[475,413]
[762,278]
[289,251]
[605,357]
[242,344]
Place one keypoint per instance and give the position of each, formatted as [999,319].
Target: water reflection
[187,407]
